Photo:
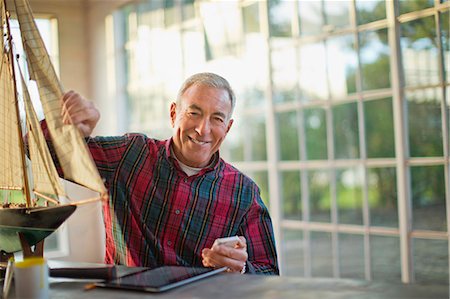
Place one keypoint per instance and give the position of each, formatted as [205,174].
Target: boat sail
[38,187]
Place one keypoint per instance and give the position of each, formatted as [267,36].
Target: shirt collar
[213,165]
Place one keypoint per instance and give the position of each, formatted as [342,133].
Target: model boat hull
[35,224]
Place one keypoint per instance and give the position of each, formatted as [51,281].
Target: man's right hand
[79,111]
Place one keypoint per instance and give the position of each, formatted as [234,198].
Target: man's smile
[199,142]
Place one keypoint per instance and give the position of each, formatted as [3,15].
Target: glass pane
[374,55]
[445,35]
[291,195]
[293,251]
[284,74]
[221,21]
[385,263]
[420,52]
[382,189]
[319,196]
[262,180]
[311,17]
[428,198]
[255,146]
[234,142]
[250,15]
[425,123]
[369,11]
[313,74]
[315,133]
[342,66]
[430,261]
[379,126]
[345,133]
[280,18]
[321,254]
[349,196]
[351,256]
[188,9]
[288,135]
[414,5]
[193,49]
[337,14]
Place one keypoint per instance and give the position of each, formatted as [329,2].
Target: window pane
[291,195]
[382,189]
[313,75]
[374,55]
[288,135]
[247,139]
[425,124]
[445,35]
[250,15]
[379,126]
[369,11]
[385,263]
[346,139]
[428,198]
[293,251]
[321,254]
[262,180]
[342,65]
[351,256]
[311,19]
[255,150]
[349,196]
[284,74]
[414,5]
[315,133]
[430,261]
[420,52]
[280,18]
[319,196]
[337,14]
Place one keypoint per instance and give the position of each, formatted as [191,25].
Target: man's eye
[218,119]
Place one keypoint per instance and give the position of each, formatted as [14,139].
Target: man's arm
[255,253]
[79,111]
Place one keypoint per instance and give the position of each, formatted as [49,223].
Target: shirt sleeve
[258,231]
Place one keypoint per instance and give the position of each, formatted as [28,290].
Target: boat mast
[19,125]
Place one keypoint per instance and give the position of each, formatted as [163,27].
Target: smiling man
[171,199]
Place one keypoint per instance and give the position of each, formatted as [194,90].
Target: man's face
[200,124]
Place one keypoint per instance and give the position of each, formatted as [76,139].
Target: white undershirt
[187,169]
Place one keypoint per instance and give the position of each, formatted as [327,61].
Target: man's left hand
[224,256]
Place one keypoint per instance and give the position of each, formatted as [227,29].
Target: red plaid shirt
[157,215]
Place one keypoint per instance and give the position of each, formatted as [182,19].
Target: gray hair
[210,80]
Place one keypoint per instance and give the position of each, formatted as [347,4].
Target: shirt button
[185,180]
[169,243]
[177,212]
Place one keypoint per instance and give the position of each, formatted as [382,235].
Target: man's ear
[173,113]
[229,125]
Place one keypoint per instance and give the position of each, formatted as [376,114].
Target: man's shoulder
[231,170]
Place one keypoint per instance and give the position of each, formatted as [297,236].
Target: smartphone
[228,241]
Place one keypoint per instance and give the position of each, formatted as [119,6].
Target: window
[353,114]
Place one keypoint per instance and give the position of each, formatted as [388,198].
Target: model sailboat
[39,211]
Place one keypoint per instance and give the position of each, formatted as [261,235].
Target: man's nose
[203,127]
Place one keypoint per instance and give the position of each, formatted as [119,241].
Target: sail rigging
[70,147]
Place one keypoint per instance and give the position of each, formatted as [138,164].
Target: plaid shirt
[157,215]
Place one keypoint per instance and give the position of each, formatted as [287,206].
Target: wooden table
[228,286]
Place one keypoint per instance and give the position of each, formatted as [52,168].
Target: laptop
[160,279]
